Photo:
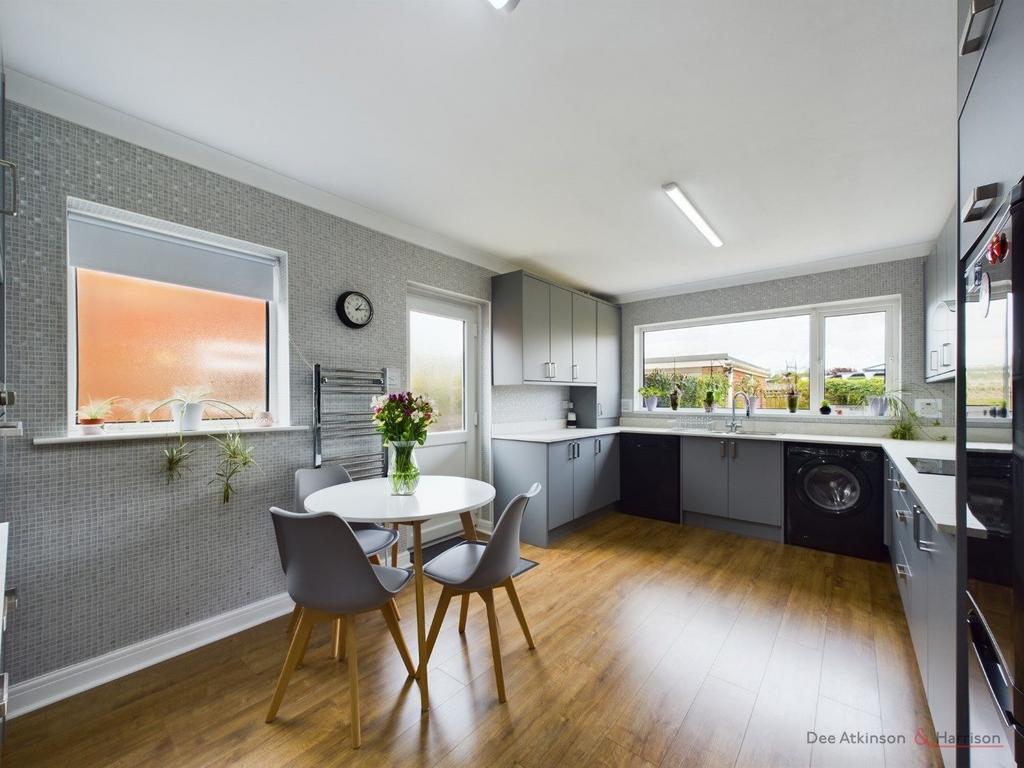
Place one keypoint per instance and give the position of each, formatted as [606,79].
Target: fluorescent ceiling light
[504,5]
[675,194]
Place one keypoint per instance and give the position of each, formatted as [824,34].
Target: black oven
[992,397]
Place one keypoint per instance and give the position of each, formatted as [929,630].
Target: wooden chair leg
[294,620]
[338,651]
[514,599]
[492,624]
[394,550]
[353,679]
[435,625]
[388,609]
[375,559]
[295,650]
[463,614]
[394,605]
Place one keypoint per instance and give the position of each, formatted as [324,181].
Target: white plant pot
[187,417]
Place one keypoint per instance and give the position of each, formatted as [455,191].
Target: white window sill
[114,433]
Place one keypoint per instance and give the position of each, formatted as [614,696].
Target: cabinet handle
[547,370]
[923,546]
[575,371]
[4,694]
[577,450]
[572,451]
[933,360]
[554,370]
[902,515]
[12,209]
[903,571]
[721,454]
[600,410]
[978,202]
[969,44]
[597,447]
[734,449]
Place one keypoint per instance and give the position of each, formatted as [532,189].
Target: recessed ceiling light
[675,194]
[504,5]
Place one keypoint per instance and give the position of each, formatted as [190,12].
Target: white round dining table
[436,496]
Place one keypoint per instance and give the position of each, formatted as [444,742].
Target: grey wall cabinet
[542,333]
[974,24]
[733,478]
[577,477]
[991,153]
[924,560]
[609,360]
[584,340]
[940,269]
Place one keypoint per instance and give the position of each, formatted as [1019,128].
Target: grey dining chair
[474,566]
[330,578]
[374,539]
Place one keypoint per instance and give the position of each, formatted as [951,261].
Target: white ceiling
[802,130]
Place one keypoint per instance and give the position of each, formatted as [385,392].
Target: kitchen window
[156,309]
[842,352]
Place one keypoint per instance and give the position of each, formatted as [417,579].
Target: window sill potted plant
[402,420]
[650,397]
[825,408]
[93,415]
[188,405]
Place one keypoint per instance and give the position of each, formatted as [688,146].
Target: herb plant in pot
[650,396]
[402,419]
[825,408]
[792,396]
[93,414]
[709,401]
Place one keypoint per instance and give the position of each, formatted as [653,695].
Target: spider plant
[97,410]
[183,399]
[906,423]
[176,458]
[235,456]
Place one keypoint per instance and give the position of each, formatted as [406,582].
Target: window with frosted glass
[437,361]
[140,341]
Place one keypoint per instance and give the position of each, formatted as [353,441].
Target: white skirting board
[67,681]
[62,683]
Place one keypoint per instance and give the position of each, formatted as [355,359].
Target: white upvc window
[843,352]
[156,308]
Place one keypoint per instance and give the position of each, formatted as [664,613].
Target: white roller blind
[111,240]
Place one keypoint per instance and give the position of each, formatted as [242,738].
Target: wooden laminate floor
[657,645]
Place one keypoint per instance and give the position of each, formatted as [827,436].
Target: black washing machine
[835,499]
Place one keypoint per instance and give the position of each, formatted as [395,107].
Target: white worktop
[936,493]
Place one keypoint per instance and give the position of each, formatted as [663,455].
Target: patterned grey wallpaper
[904,277]
[105,553]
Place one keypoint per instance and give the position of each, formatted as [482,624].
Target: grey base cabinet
[577,477]
[924,562]
[733,478]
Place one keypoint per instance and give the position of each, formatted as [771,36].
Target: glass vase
[403,470]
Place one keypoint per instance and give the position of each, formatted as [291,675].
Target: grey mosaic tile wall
[528,403]
[904,277]
[105,553]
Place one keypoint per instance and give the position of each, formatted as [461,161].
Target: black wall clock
[354,309]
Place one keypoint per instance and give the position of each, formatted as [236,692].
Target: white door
[444,364]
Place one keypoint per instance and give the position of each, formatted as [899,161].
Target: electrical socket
[394,378]
[928,407]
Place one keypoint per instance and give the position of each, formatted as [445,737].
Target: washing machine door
[833,487]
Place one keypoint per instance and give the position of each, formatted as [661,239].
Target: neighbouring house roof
[717,360]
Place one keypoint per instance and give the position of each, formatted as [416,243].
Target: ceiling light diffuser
[504,5]
[675,194]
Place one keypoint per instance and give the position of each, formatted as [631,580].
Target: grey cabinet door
[609,361]
[755,481]
[967,63]
[536,330]
[560,467]
[990,148]
[940,680]
[584,340]
[583,475]
[705,476]
[561,334]
[606,470]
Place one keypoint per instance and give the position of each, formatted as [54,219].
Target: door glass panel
[832,488]
[437,361]
[854,355]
